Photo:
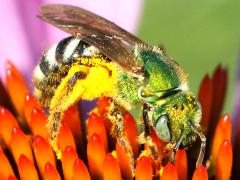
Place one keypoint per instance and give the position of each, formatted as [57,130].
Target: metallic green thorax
[162,74]
[165,88]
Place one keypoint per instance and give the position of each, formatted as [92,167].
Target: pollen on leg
[54,123]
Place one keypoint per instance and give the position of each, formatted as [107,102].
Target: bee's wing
[95,30]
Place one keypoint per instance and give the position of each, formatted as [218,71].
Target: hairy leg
[116,116]
[67,94]
[145,137]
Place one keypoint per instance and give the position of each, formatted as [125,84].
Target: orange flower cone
[8,121]
[169,172]
[95,124]
[80,170]
[144,169]
[26,168]
[38,122]
[29,103]
[20,145]
[50,172]
[96,154]
[14,80]
[111,169]
[43,153]
[65,137]
[224,161]
[200,173]
[222,132]
[68,158]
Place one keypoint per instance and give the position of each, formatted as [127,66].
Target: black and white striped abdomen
[65,52]
[56,61]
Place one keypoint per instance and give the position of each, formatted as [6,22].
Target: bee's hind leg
[116,117]
[68,93]
[145,137]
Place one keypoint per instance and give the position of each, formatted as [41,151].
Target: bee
[102,59]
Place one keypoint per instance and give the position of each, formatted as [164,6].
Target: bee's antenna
[202,148]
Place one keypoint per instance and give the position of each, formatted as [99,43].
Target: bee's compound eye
[162,129]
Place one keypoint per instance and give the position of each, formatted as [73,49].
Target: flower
[91,152]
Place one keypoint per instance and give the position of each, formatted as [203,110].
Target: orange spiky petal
[111,169]
[200,173]
[96,154]
[131,132]
[169,172]
[26,168]
[205,99]
[96,125]
[65,137]
[15,81]
[72,119]
[20,145]
[43,153]
[50,172]
[181,164]
[7,121]
[124,162]
[224,161]
[68,158]
[6,169]
[223,132]
[80,170]
[38,123]
[29,103]
[144,169]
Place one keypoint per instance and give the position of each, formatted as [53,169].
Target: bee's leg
[116,117]
[176,147]
[66,95]
[202,148]
[147,133]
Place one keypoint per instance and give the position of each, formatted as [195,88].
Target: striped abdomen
[55,64]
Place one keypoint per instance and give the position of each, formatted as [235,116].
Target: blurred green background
[197,34]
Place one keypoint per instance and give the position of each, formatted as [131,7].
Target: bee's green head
[175,119]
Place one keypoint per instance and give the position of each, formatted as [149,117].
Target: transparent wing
[109,38]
